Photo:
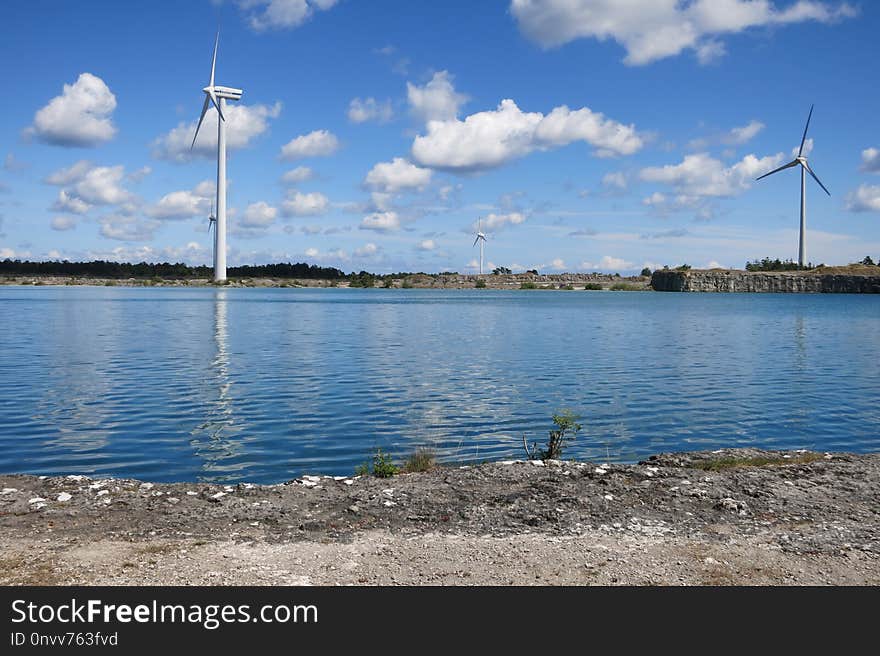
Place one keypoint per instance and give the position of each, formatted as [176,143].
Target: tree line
[105,269]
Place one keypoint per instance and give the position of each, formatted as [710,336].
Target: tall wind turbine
[801,160]
[482,239]
[218,95]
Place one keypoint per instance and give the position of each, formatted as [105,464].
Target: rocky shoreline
[826,280]
[724,517]
[560,281]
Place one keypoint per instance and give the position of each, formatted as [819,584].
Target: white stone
[8,490]
[219,495]
[388,504]
[348,481]
[65,496]
[388,492]
[536,463]
[609,497]
[76,477]
[37,500]
[147,486]
[599,470]
[101,493]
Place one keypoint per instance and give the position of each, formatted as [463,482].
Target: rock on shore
[725,517]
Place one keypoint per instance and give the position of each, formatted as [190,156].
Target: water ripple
[263,385]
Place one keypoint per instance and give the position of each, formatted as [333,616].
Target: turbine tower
[482,239]
[218,95]
[805,168]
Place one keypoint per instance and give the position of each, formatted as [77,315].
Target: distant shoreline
[561,281]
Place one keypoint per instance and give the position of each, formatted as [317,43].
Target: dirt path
[786,518]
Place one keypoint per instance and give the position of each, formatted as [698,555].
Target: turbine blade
[781,168]
[476,240]
[816,178]
[214,58]
[201,118]
[216,102]
[801,149]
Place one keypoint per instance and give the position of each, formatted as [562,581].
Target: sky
[583,135]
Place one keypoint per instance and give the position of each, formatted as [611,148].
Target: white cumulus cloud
[397,175]
[69,203]
[319,143]
[310,204]
[184,204]
[244,123]
[650,30]
[608,263]
[437,100]
[871,160]
[297,175]
[259,215]
[702,175]
[369,109]
[497,222]
[864,199]
[381,222]
[282,14]
[80,116]
[62,223]
[87,184]
[490,139]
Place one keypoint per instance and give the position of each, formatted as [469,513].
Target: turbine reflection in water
[215,441]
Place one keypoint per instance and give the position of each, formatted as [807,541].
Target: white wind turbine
[212,219]
[805,168]
[482,239]
[218,95]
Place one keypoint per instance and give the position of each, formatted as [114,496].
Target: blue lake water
[262,385]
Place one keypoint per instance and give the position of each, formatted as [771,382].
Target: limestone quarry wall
[776,281]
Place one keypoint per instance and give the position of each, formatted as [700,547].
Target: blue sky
[588,135]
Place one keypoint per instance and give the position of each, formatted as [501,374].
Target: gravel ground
[775,518]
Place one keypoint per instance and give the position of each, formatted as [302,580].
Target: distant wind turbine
[211,221]
[482,239]
[218,95]
[805,168]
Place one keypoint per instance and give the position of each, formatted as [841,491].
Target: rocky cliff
[838,280]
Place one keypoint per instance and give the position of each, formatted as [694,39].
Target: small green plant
[683,267]
[109,283]
[567,427]
[568,288]
[362,470]
[480,284]
[527,285]
[406,284]
[646,272]
[625,287]
[383,467]
[421,460]
[593,286]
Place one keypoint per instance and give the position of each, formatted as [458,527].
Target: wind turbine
[801,160]
[482,239]
[218,95]
[211,221]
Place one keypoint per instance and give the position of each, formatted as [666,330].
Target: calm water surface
[265,384]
